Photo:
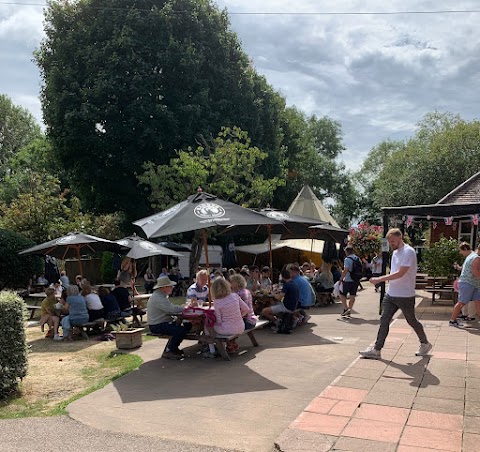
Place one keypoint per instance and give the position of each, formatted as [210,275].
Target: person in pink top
[239,285]
[229,312]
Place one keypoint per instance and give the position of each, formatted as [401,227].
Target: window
[465,232]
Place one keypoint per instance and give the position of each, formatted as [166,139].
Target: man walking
[400,295]
[349,280]
[468,283]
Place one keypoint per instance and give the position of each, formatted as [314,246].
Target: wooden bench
[441,291]
[86,327]
[219,339]
[33,310]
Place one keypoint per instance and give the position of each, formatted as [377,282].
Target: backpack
[357,269]
[285,323]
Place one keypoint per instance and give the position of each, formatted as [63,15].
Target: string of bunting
[410,221]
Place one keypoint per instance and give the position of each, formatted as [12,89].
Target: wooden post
[269,228]
[77,248]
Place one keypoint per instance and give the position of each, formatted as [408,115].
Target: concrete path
[402,403]
[244,404]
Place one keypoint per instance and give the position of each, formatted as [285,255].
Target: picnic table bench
[443,291]
[33,310]
[219,339]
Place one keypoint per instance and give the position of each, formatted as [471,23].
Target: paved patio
[402,403]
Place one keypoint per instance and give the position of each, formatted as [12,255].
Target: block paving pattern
[401,403]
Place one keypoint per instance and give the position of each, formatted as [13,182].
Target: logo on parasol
[65,239]
[209,210]
[165,213]
[278,215]
[148,246]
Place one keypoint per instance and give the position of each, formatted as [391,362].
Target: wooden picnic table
[261,301]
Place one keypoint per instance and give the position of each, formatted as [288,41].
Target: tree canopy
[129,81]
[443,153]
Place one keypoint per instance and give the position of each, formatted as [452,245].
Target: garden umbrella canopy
[140,248]
[328,232]
[73,245]
[286,224]
[199,211]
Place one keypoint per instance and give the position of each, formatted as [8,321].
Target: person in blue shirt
[304,289]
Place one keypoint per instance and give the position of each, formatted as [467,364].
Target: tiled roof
[465,193]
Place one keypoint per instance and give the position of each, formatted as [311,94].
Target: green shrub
[438,260]
[13,343]
[106,270]
[16,270]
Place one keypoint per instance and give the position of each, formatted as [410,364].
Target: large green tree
[224,166]
[443,153]
[312,150]
[130,81]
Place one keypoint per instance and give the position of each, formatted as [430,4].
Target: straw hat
[164,281]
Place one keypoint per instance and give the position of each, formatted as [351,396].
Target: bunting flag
[454,226]
[409,220]
[434,224]
[448,221]
[475,219]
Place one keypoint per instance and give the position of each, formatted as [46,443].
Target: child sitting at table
[48,315]
[229,312]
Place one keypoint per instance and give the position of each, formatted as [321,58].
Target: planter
[129,338]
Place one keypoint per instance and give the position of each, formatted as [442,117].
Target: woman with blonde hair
[229,312]
[94,304]
[324,283]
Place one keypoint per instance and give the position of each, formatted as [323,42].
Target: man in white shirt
[400,295]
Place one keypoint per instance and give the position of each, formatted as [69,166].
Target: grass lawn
[60,372]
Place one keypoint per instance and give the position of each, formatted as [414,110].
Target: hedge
[13,343]
[16,270]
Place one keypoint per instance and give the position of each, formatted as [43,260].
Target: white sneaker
[424,349]
[57,338]
[371,353]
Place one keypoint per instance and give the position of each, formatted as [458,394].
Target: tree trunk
[195,253]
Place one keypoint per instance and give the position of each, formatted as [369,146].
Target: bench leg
[221,349]
[252,338]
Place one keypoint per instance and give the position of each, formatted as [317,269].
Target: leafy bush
[439,258]
[106,270]
[13,344]
[16,270]
[366,239]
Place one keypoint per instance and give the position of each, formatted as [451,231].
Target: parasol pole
[134,277]
[205,247]
[269,228]
[77,249]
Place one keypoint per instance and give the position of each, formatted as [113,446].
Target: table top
[142,296]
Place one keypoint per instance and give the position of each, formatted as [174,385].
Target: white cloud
[375,74]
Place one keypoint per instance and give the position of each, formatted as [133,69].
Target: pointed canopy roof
[308,205]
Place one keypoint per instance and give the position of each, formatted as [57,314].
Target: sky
[376,74]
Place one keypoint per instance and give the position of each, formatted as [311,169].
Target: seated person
[160,321]
[42,280]
[122,295]
[238,284]
[64,279]
[336,272]
[149,281]
[197,293]
[76,307]
[48,314]
[230,310]
[111,309]
[265,281]
[253,278]
[58,288]
[289,295]
[306,270]
[324,279]
[78,282]
[94,304]
[164,272]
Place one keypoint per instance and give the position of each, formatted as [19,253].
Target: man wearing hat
[160,321]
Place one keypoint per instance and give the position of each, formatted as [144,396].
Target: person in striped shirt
[197,293]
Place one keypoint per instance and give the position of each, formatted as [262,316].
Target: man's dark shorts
[350,287]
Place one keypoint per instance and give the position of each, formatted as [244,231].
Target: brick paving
[401,403]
